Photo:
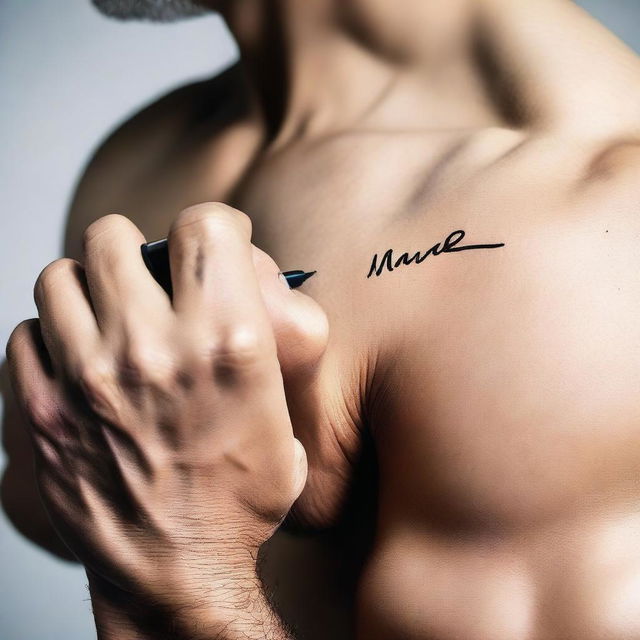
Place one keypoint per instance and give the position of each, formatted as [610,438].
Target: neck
[322,66]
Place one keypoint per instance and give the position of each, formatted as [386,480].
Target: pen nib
[297,277]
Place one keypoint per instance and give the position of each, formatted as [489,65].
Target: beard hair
[155,10]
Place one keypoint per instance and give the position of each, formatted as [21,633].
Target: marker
[156,257]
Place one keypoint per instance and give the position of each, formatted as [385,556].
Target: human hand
[164,449]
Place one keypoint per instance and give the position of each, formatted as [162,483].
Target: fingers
[67,322]
[31,376]
[300,325]
[215,288]
[232,304]
[121,288]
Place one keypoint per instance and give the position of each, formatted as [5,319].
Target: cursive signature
[448,246]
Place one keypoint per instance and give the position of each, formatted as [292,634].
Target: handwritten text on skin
[448,246]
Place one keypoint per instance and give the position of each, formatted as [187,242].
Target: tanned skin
[471,420]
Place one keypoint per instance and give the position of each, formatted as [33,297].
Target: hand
[164,447]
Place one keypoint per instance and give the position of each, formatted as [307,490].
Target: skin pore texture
[474,462]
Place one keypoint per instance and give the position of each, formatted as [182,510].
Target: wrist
[221,609]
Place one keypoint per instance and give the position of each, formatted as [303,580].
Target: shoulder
[145,142]
[616,159]
[609,186]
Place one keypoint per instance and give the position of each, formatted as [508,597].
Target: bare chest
[491,323]
[496,321]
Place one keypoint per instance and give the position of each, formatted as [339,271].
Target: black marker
[156,257]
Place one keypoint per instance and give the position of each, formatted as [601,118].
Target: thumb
[313,392]
[300,325]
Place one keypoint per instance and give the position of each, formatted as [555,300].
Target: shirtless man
[471,419]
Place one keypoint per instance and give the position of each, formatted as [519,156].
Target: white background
[67,77]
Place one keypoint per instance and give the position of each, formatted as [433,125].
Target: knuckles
[145,364]
[101,229]
[240,352]
[240,347]
[50,276]
[20,333]
[91,377]
[41,414]
[209,220]
[96,381]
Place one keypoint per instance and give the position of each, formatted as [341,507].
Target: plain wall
[67,77]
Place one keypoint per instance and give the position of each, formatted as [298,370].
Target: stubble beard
[154,10]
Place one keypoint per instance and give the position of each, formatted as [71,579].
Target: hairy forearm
[236,611]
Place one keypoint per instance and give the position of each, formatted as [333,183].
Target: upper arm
[115,169]
[140,169]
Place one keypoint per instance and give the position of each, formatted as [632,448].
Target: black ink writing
[448,246]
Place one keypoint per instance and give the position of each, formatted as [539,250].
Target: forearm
[238,611]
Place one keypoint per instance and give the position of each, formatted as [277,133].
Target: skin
[470,423]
